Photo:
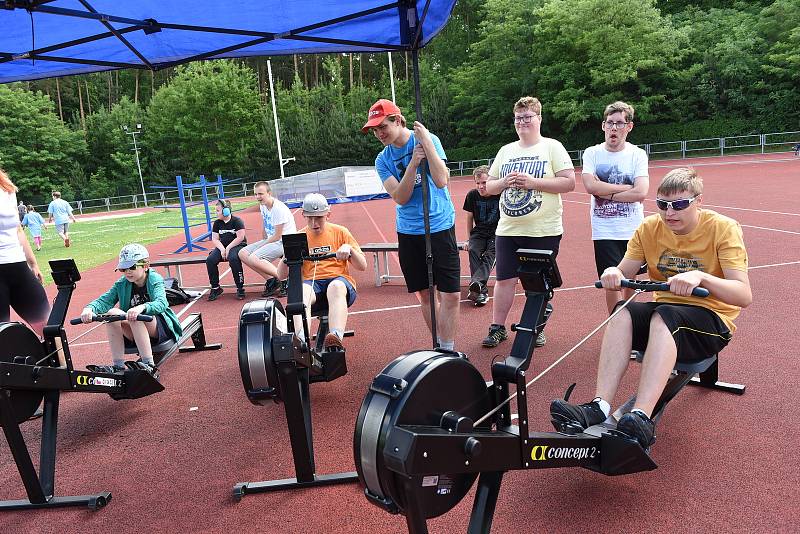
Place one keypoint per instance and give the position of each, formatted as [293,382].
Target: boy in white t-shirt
[277,221]
[615,174]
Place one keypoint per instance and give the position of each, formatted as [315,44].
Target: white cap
[315,204]
[131,254]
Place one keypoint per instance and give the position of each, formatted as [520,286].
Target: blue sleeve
[384,170]
[25,220]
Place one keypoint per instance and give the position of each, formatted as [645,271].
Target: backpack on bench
[175,295]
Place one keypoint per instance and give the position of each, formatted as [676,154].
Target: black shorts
[162,334]
[507,261]
[19,289]
[698,332]
[609,252]
[446,263]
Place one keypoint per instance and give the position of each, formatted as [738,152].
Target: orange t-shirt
[332,237]
[715,244]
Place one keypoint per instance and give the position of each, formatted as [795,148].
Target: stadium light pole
[133,134]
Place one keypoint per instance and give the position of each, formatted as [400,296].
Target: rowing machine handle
[649,285]
[112,318]
[319,257]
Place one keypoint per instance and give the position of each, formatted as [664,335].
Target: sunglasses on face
[675,205]
[131,268]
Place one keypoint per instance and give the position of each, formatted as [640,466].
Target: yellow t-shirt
[333,237]
[529,212]
[715,244]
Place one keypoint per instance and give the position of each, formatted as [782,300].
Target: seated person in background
[139,290]
[278,220]
[329,281]
[483,213]
[228,238]
[35,223]
[687,247]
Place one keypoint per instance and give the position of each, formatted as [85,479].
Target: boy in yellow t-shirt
[328,280]
[687,247]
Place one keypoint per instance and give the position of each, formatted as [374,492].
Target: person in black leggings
[20,278]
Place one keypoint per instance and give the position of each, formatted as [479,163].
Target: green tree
[206,120]
[37,150]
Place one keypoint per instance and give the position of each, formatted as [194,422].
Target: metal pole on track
[426,212]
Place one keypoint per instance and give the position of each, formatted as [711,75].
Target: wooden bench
[177,262]
[381,251]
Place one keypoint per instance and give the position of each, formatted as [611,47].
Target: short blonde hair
[6,184]
[528,102]
[482,169]
[679,180]
[618,106]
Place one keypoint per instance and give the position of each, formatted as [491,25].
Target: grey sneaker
[215,293]
[497,333]
[540,340]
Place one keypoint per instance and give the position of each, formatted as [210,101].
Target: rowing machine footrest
[334,365]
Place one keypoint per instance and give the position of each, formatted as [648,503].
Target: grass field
[96,242]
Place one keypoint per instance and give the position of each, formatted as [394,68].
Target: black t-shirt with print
[227,230]
[139,295]
[485,212]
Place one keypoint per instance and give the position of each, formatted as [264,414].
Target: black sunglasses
[131,268]
[676,205]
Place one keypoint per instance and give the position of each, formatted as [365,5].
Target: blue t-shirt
[392,161]
[34,223]
[60,210]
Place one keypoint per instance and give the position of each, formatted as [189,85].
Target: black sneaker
[240,293]
[474,291]
[639,427]
[575,415]
[110,369]
[541,339]
[215,293]
[270,287]
[283,288]
[497,333]
[481,299]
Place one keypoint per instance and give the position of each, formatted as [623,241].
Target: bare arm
[240,235]
[353,255]
[734,289]
[30,257]
[278,233]
[439,171]
[470,225]
[595,186]
[563,182]
[612,276]
[495,186]
[637,193]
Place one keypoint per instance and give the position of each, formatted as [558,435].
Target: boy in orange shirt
[328,280]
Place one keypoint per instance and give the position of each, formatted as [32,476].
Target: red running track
[726,463]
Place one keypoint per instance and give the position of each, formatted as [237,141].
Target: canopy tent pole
[426,203]
[281,161]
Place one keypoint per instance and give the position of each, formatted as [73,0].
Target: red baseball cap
[380,110]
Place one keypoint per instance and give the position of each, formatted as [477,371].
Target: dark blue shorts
[320,288]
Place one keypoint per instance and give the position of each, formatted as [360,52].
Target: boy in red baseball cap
[400,167]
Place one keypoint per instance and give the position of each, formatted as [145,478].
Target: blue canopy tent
[42,39]
[51,38]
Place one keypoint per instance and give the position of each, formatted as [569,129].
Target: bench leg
[710,379]
[376,265]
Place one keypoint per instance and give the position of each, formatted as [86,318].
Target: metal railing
[691,148]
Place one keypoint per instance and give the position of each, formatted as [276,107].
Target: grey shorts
[62,228]
[265,251]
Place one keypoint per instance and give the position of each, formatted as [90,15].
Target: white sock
[447,345]
[640,412]
[338,333]
[606,407]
